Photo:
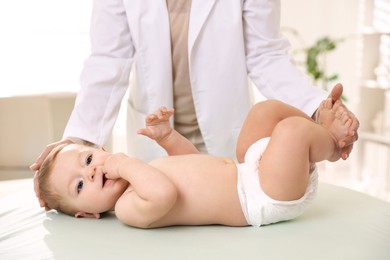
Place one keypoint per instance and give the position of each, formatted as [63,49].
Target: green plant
[316,60]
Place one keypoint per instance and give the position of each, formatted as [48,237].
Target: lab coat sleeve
[268,63]
[105,76]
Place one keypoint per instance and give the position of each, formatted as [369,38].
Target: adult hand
[37,164]
[345,150]
[35,167]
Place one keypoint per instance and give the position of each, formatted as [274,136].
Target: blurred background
[45,42]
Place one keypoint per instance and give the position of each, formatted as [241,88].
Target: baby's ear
[86,215]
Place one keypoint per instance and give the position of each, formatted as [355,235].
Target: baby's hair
[52,199]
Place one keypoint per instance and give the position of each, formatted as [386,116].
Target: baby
[273,180]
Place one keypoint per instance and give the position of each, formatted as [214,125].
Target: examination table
[340,224]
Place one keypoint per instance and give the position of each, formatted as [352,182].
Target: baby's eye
[88,160]
[80,185]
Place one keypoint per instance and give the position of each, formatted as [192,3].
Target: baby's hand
[157,124]
[112,164]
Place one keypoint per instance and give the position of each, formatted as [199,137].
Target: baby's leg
[295,144]
[261,121]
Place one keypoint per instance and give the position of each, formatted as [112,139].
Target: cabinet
[373,147]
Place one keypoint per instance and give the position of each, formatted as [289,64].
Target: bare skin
[159,129]
[296,142]
[334,95]
[333,117]
[346,145]
[196,189]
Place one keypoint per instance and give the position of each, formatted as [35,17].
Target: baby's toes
[328,103]
[337,105]
[347,121]
[348,125]
[339,113]
[321,106]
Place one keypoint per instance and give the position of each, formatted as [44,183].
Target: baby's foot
[335,119]
[335,94]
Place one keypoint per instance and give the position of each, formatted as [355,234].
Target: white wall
[314,19]
[43,45]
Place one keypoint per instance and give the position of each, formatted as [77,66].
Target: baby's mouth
[104,180]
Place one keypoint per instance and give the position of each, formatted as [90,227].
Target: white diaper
[259,209]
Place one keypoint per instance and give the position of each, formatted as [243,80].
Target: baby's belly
[207,188]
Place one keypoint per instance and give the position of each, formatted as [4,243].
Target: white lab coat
[229,40]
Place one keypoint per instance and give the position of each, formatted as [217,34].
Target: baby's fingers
[150,118]
[345,151]
[109,176]
[144,131]
[165,113]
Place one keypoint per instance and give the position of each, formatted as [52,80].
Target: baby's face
[77,176]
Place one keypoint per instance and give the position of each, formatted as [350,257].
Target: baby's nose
[92,173]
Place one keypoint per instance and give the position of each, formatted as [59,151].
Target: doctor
[195,56]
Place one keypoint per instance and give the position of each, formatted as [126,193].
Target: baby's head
[72,180]
[53,199]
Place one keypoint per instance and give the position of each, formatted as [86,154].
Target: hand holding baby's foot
[157,124]
[346,145]
[337,121]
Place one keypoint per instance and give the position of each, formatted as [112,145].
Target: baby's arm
[159,129]
[150,196]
